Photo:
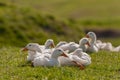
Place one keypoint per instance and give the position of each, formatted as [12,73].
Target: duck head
[31,47]
[58,52]
[84,41]
[49,43]
[90,35]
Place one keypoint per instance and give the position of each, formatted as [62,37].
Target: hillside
[27,21]
[88,13]
[19,26]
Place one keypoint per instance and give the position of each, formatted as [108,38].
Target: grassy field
[27,21]
[105,66]
[23,25]
[94,13]
[81,9]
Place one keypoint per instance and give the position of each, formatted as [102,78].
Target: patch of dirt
[108,33]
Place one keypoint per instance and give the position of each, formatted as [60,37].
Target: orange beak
[63,54]
[52,45]
[87,36]
[24,49]
[88,44]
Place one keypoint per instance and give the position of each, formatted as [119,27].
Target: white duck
[116,49]
[107,46]
[67,46]
[110,47]
[60,44]
[48,44]
[83,44]
[34,50]
[78,57]
[53,61]
[93,46]
[82,55]
[72,46]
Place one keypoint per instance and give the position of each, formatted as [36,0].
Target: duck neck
[46,47]
[93,40]
[83,47]
[55,62]
[31,52]
[54,59]
[54,56]
[39,49]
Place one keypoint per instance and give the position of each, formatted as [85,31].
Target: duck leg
[79,65]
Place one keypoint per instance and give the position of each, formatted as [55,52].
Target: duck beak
[52,45]
[87,36]
[24,49]
[63,54]
[88,44]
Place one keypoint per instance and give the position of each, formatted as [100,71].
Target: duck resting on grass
[60,44]
[53,61]
[72,46]
[78,57]
[83,57]
[84,44]
[116,49]
[48,45]
[33,47]
[93,46]
[99,45]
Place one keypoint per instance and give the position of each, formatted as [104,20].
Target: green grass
[88,14]
[23,25]
[28,21]
[105,66]
[76,9]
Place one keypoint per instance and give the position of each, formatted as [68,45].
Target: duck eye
[30,45]
[59,50]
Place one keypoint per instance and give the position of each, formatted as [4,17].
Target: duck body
[82,57]
[65,61]
[71,46]
[92,49]
[60,44]
[35,50]
[44,61]
[116,49]
[53,61]
[78,56]
[32,54]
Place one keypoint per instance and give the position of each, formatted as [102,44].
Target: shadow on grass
[25,64]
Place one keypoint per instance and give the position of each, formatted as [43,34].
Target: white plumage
[93,46]
[34,49]
[78,57]
[53,61]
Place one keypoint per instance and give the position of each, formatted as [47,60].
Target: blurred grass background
[23,21]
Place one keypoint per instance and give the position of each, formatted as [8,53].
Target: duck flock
[67,53]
